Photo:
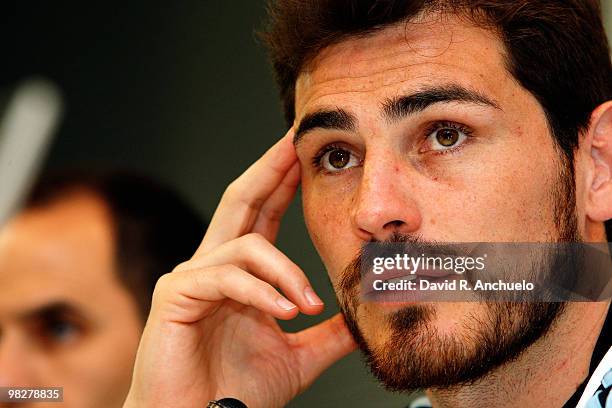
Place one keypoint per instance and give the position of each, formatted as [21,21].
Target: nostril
[394,224]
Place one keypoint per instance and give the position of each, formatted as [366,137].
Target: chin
[444,345]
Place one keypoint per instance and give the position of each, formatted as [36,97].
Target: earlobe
[599,206]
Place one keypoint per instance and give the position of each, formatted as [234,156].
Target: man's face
[65,319]
[420,131]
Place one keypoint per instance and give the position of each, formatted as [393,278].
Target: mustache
[351,274]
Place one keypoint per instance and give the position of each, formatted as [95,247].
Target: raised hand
[212,330]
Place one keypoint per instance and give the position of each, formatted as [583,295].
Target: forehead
[60,251]
[430,50]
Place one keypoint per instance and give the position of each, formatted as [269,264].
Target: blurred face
[418,133]
[65,319]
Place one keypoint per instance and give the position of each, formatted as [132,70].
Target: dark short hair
[556,49]
[154,228]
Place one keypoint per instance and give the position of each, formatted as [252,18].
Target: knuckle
[197,280]
[224,274]
[274,214]
[233,194]
[163,281]
[162,287]
[244,292]
[254,239]
[183,266]
[187,266]
[267,291]
[230,191]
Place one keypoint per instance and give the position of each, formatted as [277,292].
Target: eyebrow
[394,109]
[338,119]
[400,107]
[49,310]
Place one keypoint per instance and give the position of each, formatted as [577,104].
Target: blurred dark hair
[556,49]
[155,229]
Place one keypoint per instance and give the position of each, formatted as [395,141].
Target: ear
[599,137]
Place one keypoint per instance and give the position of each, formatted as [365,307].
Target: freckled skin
[496,188]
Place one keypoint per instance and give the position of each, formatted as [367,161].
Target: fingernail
[312,297]
[285,304]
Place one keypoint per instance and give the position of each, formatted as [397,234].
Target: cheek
[89,375]
[322,219]
[91,378]
[507,195]
[328,223]
[582,158]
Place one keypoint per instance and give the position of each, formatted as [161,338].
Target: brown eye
[339,158]
[447,137]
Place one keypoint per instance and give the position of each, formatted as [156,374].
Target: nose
[384,203]
[15,365]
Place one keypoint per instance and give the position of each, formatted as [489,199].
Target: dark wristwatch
[226,403]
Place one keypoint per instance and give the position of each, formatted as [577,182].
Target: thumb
[320,346]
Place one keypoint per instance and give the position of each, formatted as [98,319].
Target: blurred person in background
[77,270]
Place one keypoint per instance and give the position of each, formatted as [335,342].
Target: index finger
[245,196]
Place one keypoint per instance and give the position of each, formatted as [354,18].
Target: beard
[416,355]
